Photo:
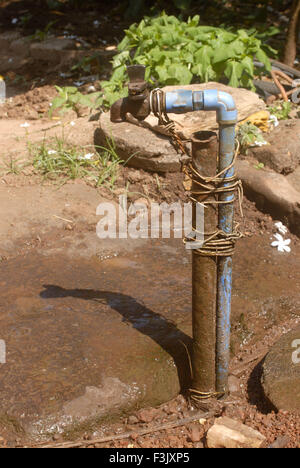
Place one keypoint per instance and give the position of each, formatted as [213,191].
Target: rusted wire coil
[158,107]
[217,243]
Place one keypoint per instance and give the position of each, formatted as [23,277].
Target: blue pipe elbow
[221,102]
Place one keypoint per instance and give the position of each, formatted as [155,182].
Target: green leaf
[232,50]
[180,74]
[204,55]
[262,57]
[70,89]
[233,72]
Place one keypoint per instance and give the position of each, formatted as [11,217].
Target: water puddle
[78,327]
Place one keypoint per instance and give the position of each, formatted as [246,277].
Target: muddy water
[87,338]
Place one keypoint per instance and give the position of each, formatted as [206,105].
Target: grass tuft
[58,160]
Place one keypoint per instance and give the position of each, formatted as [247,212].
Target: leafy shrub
[178,53]
[248,135]
[281,110]
[69,98]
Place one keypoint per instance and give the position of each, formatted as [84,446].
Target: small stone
[147,415]
[135,176]
[228,433]
[199,445]
[280,442]
[234,384]
[195,434]
[133,420]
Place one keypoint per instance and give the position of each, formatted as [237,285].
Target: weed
[248,134]
[259,166]
[12,166]
[42,35]
[281,110]
[69,98]
[58,160]
[87,64]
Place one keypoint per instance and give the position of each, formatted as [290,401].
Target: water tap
[138,101]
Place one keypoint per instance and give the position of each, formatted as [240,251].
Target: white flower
[96,24]
[14,21]
[259,143]
[281,243]
[72,123]
[273,119]
[281,228]
[87,156]
[25,125]
[52,152]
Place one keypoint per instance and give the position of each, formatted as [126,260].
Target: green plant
[259,166]
[42,35]
[281,110]
[88,63]
[248,134]
[12,166]
[175,52]
[70,98]
[58,160]
[109,163]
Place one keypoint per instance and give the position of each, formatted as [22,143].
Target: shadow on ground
[164,332]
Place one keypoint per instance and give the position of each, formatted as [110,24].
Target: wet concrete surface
[88,338]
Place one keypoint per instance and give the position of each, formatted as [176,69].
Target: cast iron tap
[137,103]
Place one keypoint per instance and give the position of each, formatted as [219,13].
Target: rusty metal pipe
[204,272]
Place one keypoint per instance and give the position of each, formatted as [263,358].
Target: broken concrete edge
[166,159]
[272,193]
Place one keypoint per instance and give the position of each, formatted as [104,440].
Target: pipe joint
[221,102]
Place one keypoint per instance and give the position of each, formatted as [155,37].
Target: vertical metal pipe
[224,286]
[204,300]
[204,272]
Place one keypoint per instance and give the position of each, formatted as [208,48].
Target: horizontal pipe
[183,100]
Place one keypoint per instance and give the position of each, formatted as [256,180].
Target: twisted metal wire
[217,243]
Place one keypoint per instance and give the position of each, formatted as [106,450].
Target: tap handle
[136,73]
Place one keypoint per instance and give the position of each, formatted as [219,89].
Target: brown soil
[248,406]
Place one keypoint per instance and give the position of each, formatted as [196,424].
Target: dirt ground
[39,214]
